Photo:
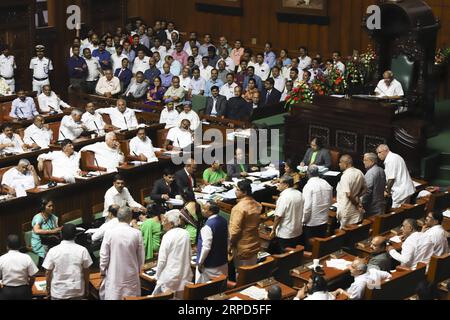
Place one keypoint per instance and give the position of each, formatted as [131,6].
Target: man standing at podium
[389,87]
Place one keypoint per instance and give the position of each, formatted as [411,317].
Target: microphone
[382,91]
[54,110]
[62,133]
[23,115]
[96,163]
[126,123]
[95,123]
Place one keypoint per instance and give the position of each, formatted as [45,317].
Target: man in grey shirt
[373,201]
[380,258]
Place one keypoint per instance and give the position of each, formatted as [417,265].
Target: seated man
[108,86]
[417,247]
[197,84]
[111,222]
[124,74]
[317,155]
[189,114]
[38,135]
[216,105]
[122,117]
[364,278]
[16,181]
[65,163]
[175,93]
[4,87]
[11,142]
[389,87]
[108,155]
[119,195]
[93,120]
[436,233]
[165,188]
[49,102]
[169,116]
[239,169]
[180,137]
[71,126]
[23,108]
[137,88]
[380,258]
[141,147]
[237,107]
[214,174]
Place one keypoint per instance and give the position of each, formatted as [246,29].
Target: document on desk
[447,214]
[255,293]
[396,239]
[41,285]
[339,264]
[176,202]
[235,299]
[91,231]
[417,184]
[332,173]
[45,186]
[212,189]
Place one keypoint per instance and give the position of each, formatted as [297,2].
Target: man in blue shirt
[23,107]
[78,69]
[103,56]
[124,74]
[153,72]
[269,56]
[214,81]
[166,76]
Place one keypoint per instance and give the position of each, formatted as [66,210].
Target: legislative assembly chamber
[224,150]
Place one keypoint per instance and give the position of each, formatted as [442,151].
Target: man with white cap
[41,67]
[7,68]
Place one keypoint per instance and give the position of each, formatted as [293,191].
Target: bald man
[349,192]
[389,87]
[380,258]
[373,201]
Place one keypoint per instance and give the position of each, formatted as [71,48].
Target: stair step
[445,159]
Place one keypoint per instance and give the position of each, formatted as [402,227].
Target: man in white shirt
[122,117]
[141,63]
[304,59]
[93,120]
[436,233]
[11,142]
[262,69]
[119,195]
[205,69]
[111,222]
[49,102]
[108,155]
[67,268]
[173,271]
[160,49]
[38,135]
[389,87]
[108,85]
[41,67]
[399,183]
[16,181]
[280,82]
[227,89]
[318,195]
[122,256]
[180,137]
[288,225]
[71,126]
[65,163]
[189,114]
[141,147]
[185,79]
[337,62]
[229,63]
[169,116]
[94,71]
[7,68]
[17,272]
[197,84]
[349,192]
[117,57]
[365,277]
[23,107]
[416,246]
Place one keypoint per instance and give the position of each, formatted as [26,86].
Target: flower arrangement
[337,82]
[320,86]
[359,68]
[301,94]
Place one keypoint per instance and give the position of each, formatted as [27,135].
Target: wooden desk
[287,293]
[49,118]
[79,143]
[36,293]
[6,161]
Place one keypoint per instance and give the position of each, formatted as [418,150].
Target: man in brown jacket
[244,225]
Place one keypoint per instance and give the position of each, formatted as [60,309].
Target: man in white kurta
[399,183]
[436,233]
[71,126]
[121,117]
[181,137]
[389,87]
[119,195]
[49,102]
[174,259]
[141,146]
[11,142]
[38,134]
[107,154]
[191,115]
[93,120]
[349,192]
[122,256]
[169,116]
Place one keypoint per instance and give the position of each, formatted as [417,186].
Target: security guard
[41,67]
[7,67]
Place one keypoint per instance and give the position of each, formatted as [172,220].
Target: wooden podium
[354,126]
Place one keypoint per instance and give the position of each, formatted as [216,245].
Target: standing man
[288,225]
[373,201]
[41,67]
[212,259]
[164,189]
[67,268]
[7,68]
[122,256]
[399,183]
[243,228]
[94,71]
[349,192]
[78,69]
[17,272]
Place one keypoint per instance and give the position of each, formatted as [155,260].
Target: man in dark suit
[237,107]
[216,105]
[239,169]
[124,74]
[270,95]
[185,178]
[165,188]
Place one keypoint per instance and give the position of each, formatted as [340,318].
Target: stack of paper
[41,285]
[339,264]
[396,239]
[91,231]
[212,189]
[255,293]
[447,213]
[176,202]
